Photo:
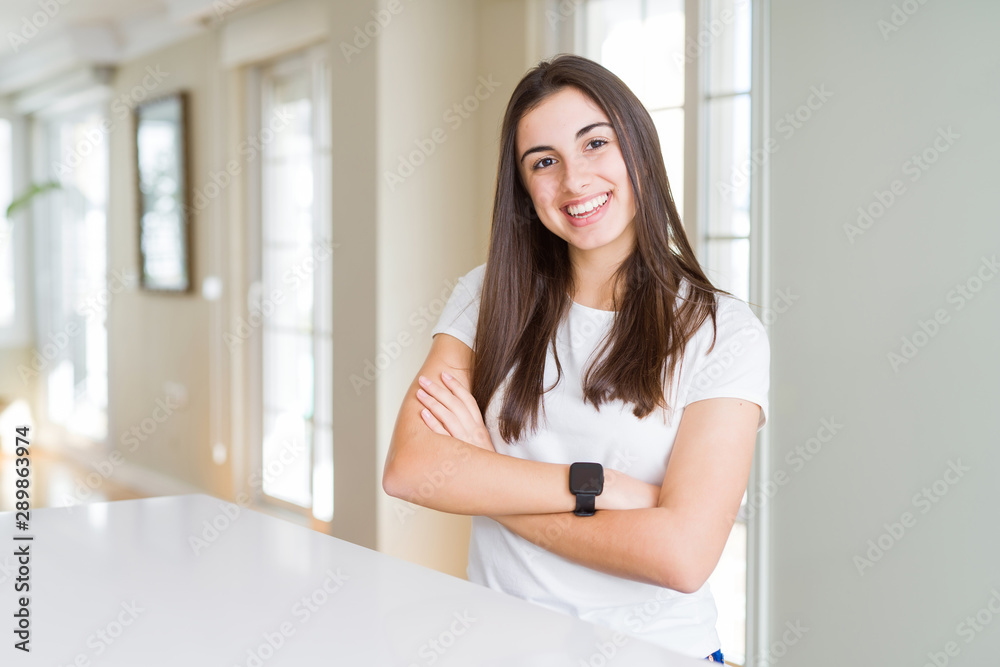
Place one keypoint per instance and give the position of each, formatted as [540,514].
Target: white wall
[159,341]
[900,427]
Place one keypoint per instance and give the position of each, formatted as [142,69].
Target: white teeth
[581,209]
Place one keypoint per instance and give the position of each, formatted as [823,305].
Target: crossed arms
[670,535]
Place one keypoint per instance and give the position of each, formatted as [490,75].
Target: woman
[590,296]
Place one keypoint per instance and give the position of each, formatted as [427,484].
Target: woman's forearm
[450,475]
[646,545]
[629,536]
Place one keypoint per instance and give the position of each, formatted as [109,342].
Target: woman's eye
[599,142]
[539,163]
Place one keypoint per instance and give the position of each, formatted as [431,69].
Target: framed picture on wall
[161,140]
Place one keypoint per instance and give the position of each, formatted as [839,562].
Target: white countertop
[128,571]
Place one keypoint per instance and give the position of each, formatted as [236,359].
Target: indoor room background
[834,164]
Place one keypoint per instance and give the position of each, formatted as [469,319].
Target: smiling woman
[579,182]
[590,295]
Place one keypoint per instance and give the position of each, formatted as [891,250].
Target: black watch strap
[585,503]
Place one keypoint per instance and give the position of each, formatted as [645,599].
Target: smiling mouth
[580,212]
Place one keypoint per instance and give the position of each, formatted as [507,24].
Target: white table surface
[127,570]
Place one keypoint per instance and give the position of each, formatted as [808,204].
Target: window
[689,62]
[292,284]
[643,43]
[8,308]
[71,253]
[647,45]
[15,311]
[726,104]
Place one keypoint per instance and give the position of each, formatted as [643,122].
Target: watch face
[586,478]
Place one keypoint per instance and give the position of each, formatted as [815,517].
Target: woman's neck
[593,286]
[596,294]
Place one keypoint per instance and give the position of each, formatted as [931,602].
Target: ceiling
[13,12]
[81,33]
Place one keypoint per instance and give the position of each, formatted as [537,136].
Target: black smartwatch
[586,481]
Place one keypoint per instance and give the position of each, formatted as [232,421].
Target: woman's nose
[576,174]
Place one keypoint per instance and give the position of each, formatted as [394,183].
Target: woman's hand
[452,410]
[622,492]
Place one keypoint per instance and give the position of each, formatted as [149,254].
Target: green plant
[33,191]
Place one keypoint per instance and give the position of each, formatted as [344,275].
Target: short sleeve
[461,312]
[738,366]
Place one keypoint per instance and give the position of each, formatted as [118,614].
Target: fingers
[475,426]
[433,423]
[432,390]
[451,410]
[444,406]
[434,412]
[462,393]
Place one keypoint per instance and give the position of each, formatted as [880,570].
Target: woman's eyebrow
[582,131]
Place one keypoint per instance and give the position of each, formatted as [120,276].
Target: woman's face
[572,166]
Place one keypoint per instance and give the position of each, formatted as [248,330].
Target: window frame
[20,332]
[40,153]
[315,58]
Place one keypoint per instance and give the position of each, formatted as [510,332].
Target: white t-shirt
[570,430]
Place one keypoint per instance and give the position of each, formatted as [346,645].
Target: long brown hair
[528,280]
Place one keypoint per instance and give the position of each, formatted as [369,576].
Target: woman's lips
[593,217]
